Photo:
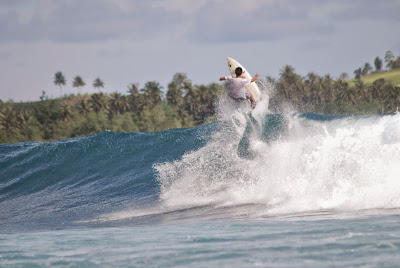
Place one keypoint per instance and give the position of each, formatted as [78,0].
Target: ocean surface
[254,189]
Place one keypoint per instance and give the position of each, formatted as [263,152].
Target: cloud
[112,53]
[312,45]
[87,21]
[206,21]
[257,21]
[13,3]
[387,10]
[5,55]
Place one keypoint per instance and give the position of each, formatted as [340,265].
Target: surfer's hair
[238,71]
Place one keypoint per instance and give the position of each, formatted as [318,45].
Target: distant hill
[392,77]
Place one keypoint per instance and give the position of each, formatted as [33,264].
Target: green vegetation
[314,93]
[367,93]
[145,109]
[392,77]
[188,105]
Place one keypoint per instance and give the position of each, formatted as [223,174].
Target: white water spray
[344,164]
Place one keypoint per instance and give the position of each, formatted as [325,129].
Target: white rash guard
[237,87]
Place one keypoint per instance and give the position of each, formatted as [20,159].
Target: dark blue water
[56,184]
[249,190]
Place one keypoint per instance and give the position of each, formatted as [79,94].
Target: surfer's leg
[252,100]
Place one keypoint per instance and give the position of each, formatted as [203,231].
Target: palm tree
[292,85]
[377,89]
[59,80]
[396,63]
[345,93]
[152,92]
[124,103]
[83,107]
[378,64]
[66,112]
[44,96]
[286,80]
[312,78]
[116,103]
[357,73]
[134,98]
[179,86]
[205,101]
[182,81]
[8,119]
[78,82]
[310,86]
[98,83]
[174,94]
[317,91]
[329,91]
[367,68]
[98,102]
[287,73]
[133,89]
[392,96]
[389,59]
[362,90]
[191,99]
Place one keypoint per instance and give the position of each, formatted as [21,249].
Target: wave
[248,164]
[80,178]
[291,164]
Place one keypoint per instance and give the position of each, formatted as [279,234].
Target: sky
[136,41]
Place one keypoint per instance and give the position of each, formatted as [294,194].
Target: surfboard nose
[229,61]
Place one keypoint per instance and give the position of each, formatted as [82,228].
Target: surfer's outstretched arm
[255,77]
[222,78]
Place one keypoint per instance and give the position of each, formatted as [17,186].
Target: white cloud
[259,21]
[87,21]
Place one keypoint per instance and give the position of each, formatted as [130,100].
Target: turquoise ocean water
[259,190]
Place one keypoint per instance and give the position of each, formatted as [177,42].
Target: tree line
[141,109]
[323,94]
[184,104]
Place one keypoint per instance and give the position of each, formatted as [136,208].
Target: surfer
[237,86]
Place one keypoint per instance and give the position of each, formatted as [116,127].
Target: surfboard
[251,88]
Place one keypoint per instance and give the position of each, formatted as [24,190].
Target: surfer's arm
[222,78]
[255,77]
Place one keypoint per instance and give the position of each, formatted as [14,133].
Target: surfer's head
[238,71]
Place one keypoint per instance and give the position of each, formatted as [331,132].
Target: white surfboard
[251,88]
